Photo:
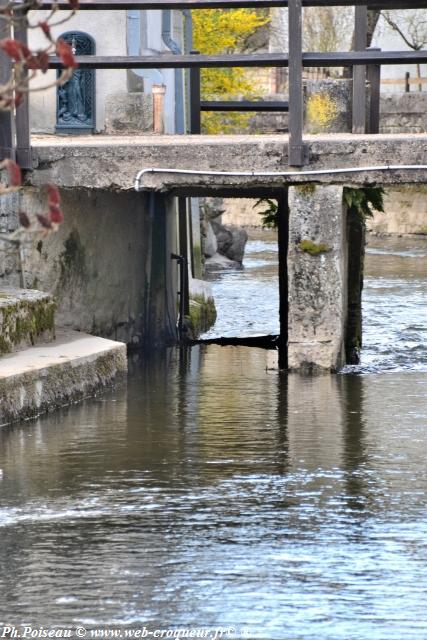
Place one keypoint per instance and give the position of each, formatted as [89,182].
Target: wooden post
[23,146]
[283,240]
[296,148]
[374,78]
[195,114]
[407,82]
[359,71]
[7,129]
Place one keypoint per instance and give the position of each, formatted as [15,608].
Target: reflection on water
[394,301]
[395,305]
[212,490]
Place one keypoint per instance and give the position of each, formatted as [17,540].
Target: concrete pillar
[317,268]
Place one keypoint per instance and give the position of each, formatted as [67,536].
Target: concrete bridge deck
[111,162]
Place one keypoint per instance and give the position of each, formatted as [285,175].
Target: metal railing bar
[339,59]
[228,4]
[244,105]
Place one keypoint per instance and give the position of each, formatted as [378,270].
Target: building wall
[403,113]
[405,212]
[110,31]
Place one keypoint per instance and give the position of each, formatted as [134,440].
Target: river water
[212,491]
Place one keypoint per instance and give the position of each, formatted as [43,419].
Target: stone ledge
[27,317]
[40,379]
[112,162]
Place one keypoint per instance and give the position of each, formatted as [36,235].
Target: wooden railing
[366,64]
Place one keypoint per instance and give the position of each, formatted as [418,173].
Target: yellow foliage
[321,110]
[225,31]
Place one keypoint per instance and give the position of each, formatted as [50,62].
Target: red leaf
[14,172]
[53,194]
[15,49]
[24,219]
[65,52]
[55,214]
[39,60]
[44,221]
[18,98]
[12,48]
[44,26]
[74,4]
[43,59]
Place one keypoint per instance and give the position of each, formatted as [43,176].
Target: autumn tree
[225,31]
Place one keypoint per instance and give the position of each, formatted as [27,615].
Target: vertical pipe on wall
[134,47]
[179,77]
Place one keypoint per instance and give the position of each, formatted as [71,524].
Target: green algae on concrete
[26,318]
[46,377]
[202,315]
[314,249]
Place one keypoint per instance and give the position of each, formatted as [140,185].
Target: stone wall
[107,264]
[404,113]
[405,211]
[9,267]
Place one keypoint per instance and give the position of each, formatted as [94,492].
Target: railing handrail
[315,59]
[113,5]
[360,60]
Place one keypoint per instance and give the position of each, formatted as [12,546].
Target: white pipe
[280,174]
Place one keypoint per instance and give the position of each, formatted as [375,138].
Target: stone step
[48,376]
[27,317]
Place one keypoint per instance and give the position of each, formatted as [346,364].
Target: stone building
[114,101]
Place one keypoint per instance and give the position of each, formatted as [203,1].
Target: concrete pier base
[42,378]
[317,278]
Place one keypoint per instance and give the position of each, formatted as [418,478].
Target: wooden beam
[168,61]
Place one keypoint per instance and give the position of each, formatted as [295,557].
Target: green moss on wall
[202,315]
[314,249]
[306,189]
[72,260]
[24,322]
